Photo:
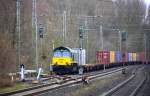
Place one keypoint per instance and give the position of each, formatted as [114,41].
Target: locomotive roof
[62,48]
[74,50]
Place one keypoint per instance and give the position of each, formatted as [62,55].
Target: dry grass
[15,87]
[5,81]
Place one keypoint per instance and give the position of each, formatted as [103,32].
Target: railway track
[129,87]
[54,85]
[145,88]
[66,81]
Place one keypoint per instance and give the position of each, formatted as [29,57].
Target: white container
[79,56]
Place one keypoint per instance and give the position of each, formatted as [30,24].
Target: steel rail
[55,85]
[117,88]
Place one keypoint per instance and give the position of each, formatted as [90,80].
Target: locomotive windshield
[57,54]
[66,54]
[61,53]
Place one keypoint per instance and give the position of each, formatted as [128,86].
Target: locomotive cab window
[66,54]
[57,54]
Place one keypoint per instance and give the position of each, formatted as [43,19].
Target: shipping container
[102,57]
[118,56]
[133,56]
[79,55]
[112,56]
[129,57]
[142,56]
[137,57]
[124,57]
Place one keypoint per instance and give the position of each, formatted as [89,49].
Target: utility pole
[123,50]
[101,37]
[34,27]
[120,43]
[87,37]
[81,36]
[102,42]
[145,47]
[64,28]
[18,31]
[41,36]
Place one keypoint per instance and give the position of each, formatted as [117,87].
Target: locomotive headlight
[56,63]
[67,63]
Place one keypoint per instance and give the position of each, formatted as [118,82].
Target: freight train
[72,60]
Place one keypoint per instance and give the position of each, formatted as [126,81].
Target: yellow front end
[61,61]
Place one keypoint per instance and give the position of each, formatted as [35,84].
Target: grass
[16,86]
